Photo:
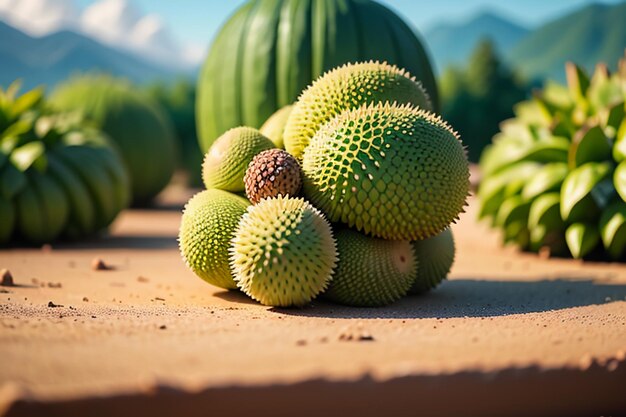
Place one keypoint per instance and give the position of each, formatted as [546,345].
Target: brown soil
[508,334]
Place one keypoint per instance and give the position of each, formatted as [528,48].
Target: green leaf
[513,209]
[613,118]
[619,147]
[32,154]
[581,239]
[542,237]
[619,180]
[553,149]
[545,211]
[577,202]
[546,179]
[563,126]
[613,229]
[27,101]
[496,188]
[18,128]
[589,145]
[517,232]
[577,81]
[12,181]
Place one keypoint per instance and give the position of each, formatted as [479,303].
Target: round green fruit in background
[139,127]
[269,51]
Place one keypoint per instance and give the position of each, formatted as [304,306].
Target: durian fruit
[435,257]
[551,179]
[283,253]
[274,126]
[271,173]
[392,171]
[371,272]
[348,87]
[206,230]
[228,158]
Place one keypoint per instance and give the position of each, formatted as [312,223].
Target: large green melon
[137,124]
[271,50]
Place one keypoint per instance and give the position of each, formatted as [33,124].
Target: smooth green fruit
[97,180]
[274,127]
[269,51]
[434,257]
[394,172]
[345,88]
[42,209]
[206,230]
[54,203]
[225,164]
[371,272]
[81,204]
[283,253]
[138,125]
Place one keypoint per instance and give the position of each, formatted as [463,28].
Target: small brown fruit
[272,173]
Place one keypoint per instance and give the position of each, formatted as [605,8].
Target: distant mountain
[453,43]
[592,34]
[52,58]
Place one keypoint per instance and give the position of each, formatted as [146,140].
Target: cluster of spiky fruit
[555,176]
[58,177]
[390,175]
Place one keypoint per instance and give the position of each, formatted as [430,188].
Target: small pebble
[97,264]
[7,278]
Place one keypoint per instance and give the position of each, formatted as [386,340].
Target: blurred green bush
[477,98]
[178,99]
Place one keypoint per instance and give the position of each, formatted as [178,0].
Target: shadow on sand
[479,298]
[121,242]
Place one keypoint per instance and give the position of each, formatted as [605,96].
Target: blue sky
[196,21]
[178,32]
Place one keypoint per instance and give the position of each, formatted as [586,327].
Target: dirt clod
[7,278]
[142,279]
[52,305]
[97,264]
[55,285]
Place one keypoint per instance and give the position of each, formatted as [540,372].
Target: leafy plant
[59,177]
[555,175]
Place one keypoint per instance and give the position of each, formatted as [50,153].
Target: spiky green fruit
[228,158]
[434,257]
[348,87]
[206,230]
[283,253]
[393,171]
[371,272]
[274,126]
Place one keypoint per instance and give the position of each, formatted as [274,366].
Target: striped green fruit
[138,125]
[271,50]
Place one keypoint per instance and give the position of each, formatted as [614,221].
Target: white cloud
[118,23]
[39,17]
[110,20]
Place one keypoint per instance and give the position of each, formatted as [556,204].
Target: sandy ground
[508,334]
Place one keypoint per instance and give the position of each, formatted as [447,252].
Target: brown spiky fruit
[272,173]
